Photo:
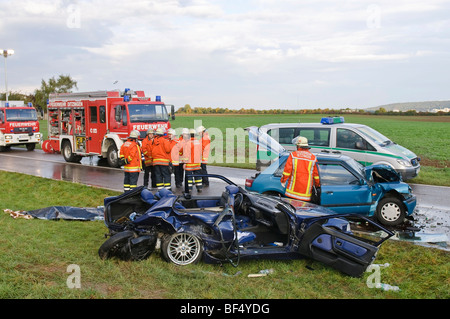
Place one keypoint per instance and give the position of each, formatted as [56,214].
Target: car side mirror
[362,181]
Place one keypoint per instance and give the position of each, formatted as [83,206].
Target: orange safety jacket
[206,144]
[131,152]
[161,151]
[192,152]
[147,151]
[300,172]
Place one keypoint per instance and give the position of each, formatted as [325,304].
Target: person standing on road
[179,158]
[130,154]
[300,172]
[148,161]
[161,159]
[206,143]
[192,167]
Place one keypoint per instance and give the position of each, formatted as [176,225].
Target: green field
[427,136]
[36,255]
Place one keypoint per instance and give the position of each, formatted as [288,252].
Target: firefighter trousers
[193,179]
[130,180]
[163,177]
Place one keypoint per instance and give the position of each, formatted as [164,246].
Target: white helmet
[150,131]
[135,134]
[159,131]
[301,141]
[191,131]
[200,129]
[171,131]
[185,131]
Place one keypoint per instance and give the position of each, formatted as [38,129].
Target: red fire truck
[97,123]
[19,125]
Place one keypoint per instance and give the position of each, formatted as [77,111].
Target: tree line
[65,84]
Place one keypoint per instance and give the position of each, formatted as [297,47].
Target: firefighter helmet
[200,129]
[171,131]
[135,134]
[150,131]
[159,131]
[192,131]
[302,142]
[185,131]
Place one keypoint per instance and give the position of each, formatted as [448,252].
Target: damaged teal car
[346,186]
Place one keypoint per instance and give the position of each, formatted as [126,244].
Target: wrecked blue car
[231,226]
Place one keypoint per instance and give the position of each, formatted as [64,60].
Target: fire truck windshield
[147,112]
[16,114]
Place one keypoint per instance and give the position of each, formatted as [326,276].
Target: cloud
[258,46]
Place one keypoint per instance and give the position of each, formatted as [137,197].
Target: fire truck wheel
[112,156]
[30,147]
[67,153]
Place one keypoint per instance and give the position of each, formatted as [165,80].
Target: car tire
[116,246]
[181,248]
[390,211]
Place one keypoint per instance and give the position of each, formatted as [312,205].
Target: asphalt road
[93,172]
[433,202]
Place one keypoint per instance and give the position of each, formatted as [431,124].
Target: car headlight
[8,137]
[404,163]
[37,135]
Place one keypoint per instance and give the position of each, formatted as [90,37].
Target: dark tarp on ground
[68,213]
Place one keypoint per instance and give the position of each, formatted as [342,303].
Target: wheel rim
[183,249]
[67,151]
[391,212]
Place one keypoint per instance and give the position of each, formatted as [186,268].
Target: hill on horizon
[426,106]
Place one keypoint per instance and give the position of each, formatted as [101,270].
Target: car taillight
[249,182]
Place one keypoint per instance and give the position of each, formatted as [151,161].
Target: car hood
[400,150]
[384,171]
[264,141]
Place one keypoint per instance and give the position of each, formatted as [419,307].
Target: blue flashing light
[126,98]
[126,90]
[332,120]
[30,104]
[7,104]
[158,98]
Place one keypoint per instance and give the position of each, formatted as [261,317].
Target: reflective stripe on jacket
[147,151]
[301,173]
[131,152]
[161,151]
[193,150]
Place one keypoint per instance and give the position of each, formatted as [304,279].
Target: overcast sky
[228,53]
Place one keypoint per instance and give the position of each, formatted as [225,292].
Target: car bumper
[410,204]
[409,173]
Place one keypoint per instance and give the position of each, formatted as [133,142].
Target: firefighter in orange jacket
[179,158]
[206,144]
[130,154]
[300,172]
[192,151]
[148,161]
[161,158]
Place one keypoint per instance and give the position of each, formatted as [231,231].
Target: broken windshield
[147,113]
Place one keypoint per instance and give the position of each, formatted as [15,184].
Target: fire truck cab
[19,125]
[97,123]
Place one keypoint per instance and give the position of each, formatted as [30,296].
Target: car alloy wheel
[182,248]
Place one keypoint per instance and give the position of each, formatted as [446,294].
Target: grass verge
[35,255]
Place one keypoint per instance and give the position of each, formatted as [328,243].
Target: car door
[351,144]
[342,190]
